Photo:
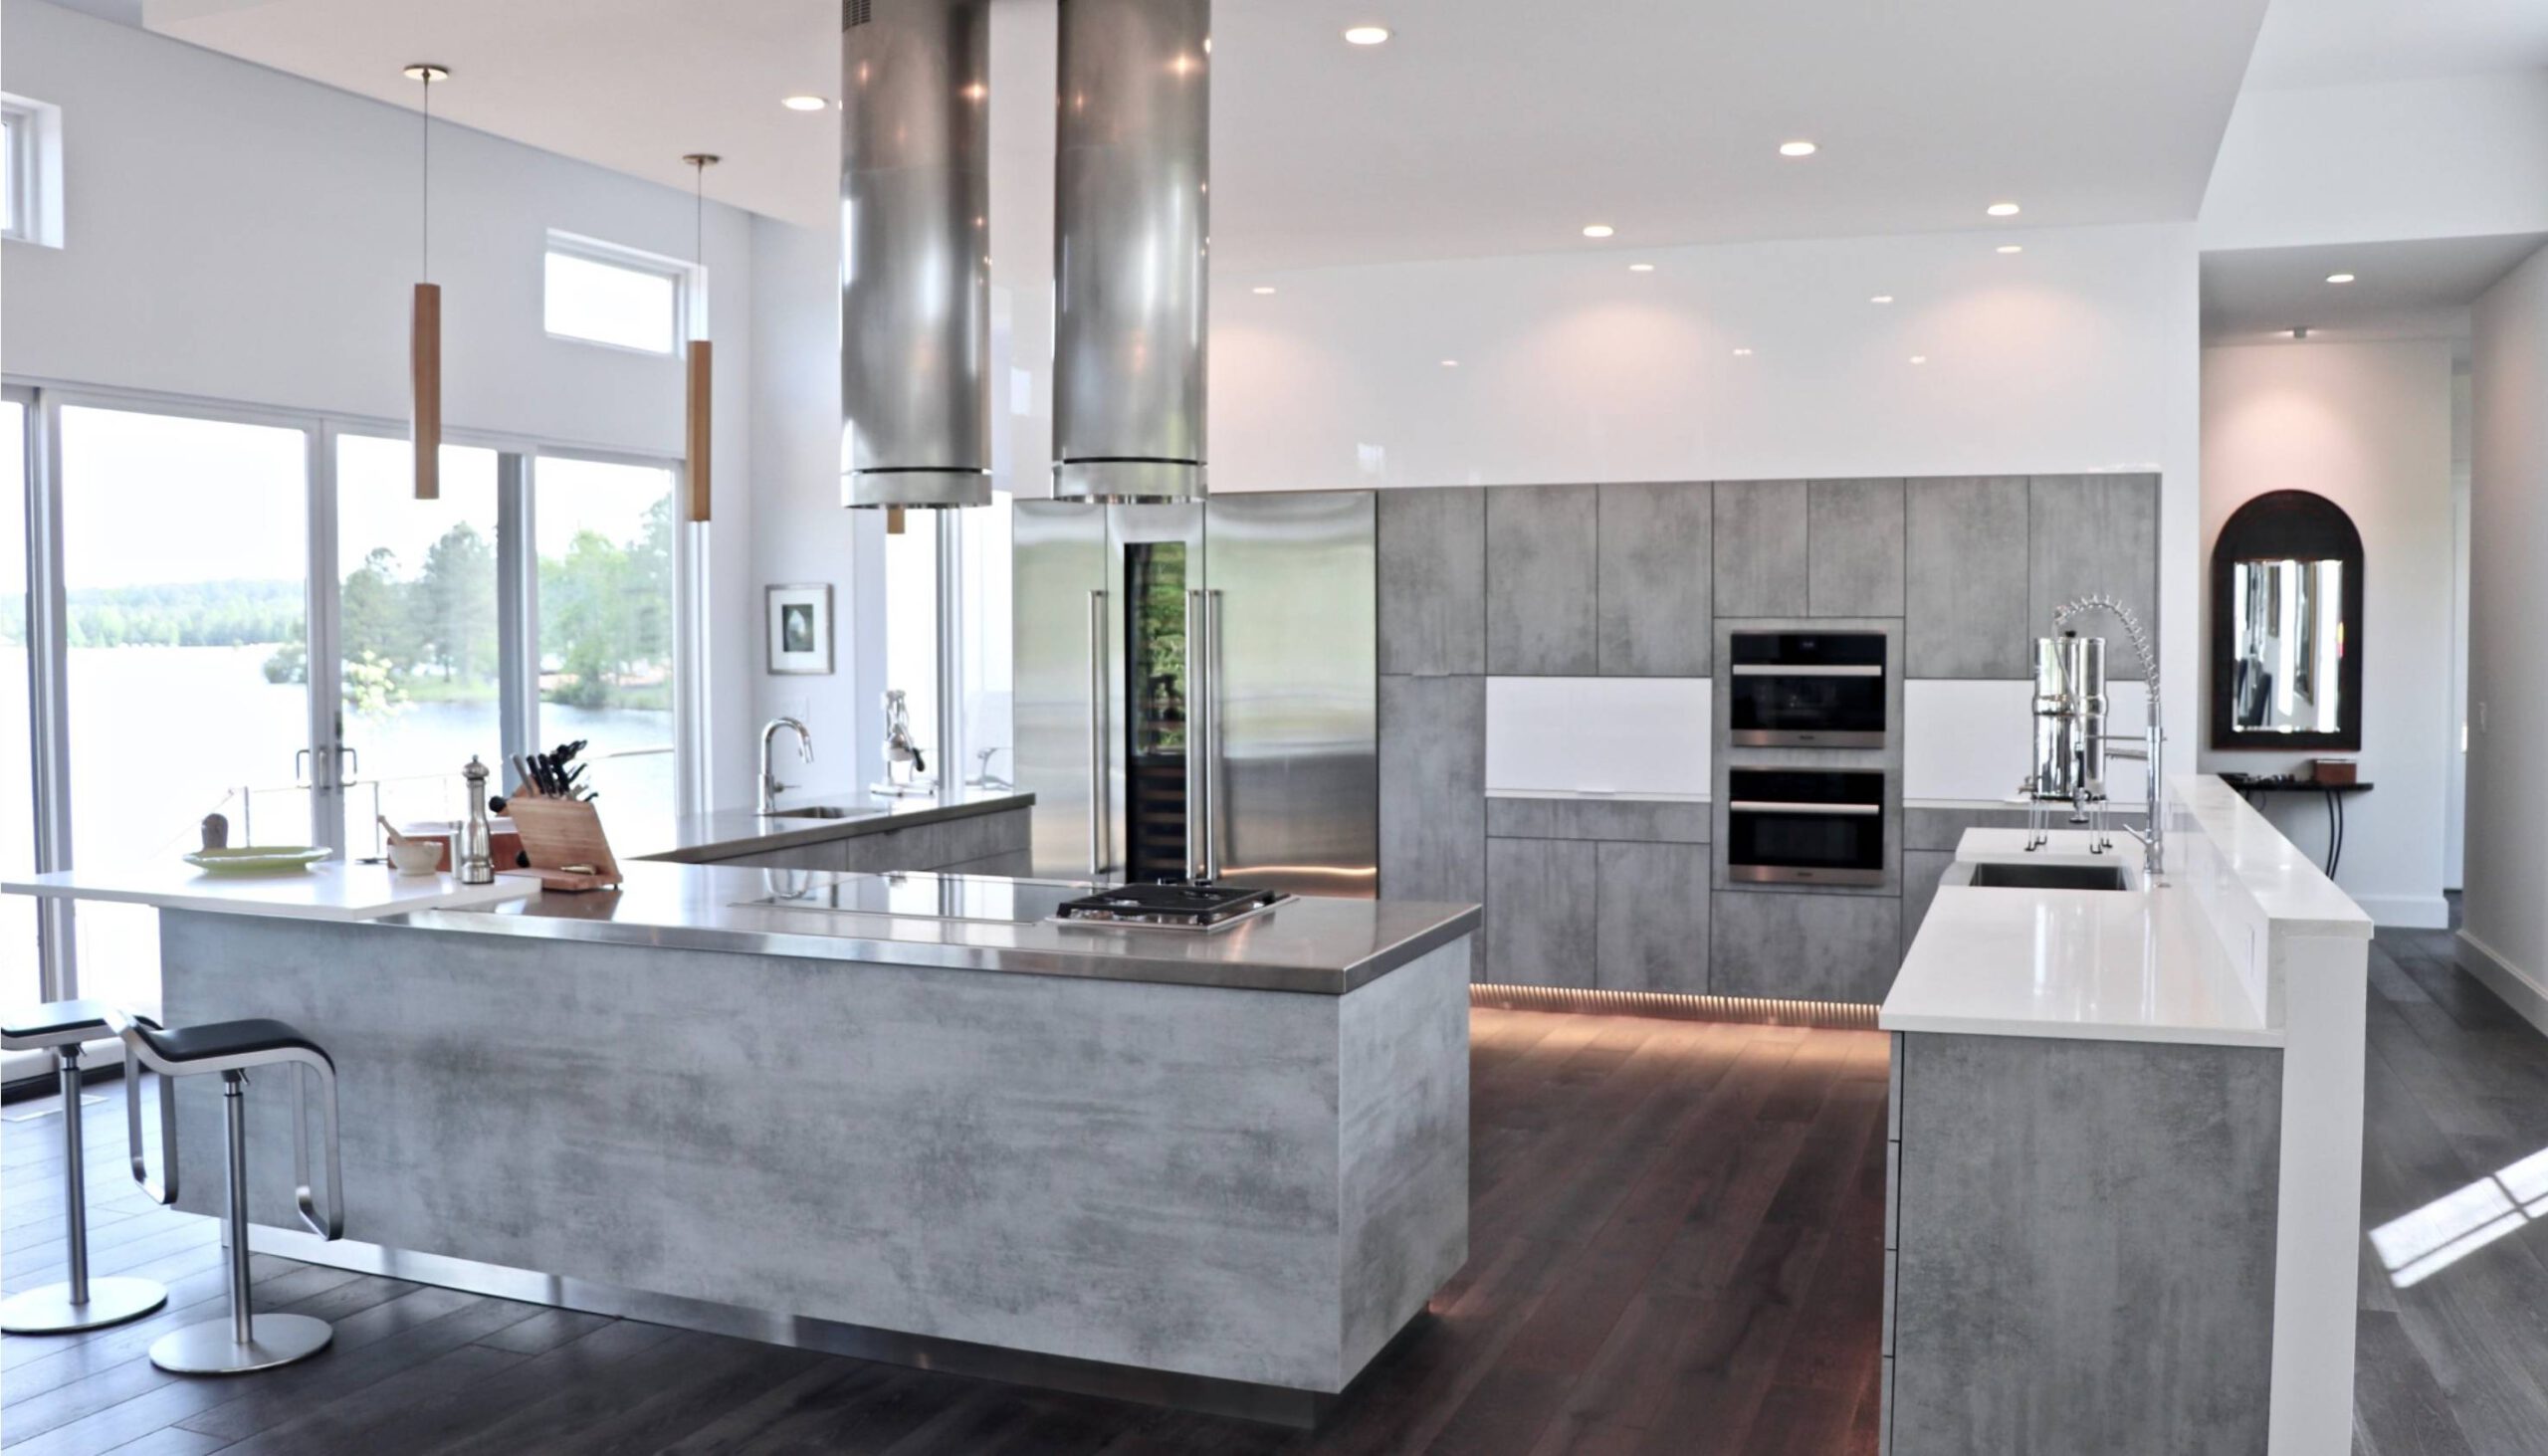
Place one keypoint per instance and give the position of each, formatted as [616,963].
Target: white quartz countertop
[2088,964]
[335,891]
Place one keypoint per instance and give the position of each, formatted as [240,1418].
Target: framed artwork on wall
[800,629]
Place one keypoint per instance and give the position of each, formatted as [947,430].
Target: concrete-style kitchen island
[2126,1146]
[1220,1168]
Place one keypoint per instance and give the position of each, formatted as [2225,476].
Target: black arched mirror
[2286,626]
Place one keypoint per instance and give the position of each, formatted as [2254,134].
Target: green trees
[606,616]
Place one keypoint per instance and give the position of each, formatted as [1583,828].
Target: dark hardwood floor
[1675,1247]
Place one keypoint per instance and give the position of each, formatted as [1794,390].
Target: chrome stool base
[213,1347]
[51,1309]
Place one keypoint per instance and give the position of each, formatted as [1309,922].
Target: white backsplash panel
[1965,739]
[1623,736]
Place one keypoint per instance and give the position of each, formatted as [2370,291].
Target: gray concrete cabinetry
[2085,1246]
[1922,869]
[1805,947]
[1760,549]
[1853,548]
[1432,580]
[1659,821]
[1655,580]
[1651,929]
[2095,533]
[1541,898]
[1433,789]
[1965,597]
[1541,580]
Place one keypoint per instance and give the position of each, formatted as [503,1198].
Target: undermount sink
[823,811]
[1995,874]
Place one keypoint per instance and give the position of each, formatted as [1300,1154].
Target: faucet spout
[770,787]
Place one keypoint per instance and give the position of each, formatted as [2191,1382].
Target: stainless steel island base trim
[1273,1404]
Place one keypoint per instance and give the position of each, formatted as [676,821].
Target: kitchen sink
[2000,875]
[824,811]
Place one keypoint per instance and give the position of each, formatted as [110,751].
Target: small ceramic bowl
[416,856]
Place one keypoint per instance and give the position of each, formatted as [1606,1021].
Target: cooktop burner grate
[1180,907]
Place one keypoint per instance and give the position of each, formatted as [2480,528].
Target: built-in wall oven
[1807,690]
[1805,826]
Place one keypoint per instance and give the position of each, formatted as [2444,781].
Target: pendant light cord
[425,181]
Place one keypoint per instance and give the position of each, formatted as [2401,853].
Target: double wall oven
[1794,821]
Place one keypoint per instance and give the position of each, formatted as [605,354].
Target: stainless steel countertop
[726,833]
[1309,945]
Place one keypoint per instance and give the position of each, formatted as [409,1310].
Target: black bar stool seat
[247,1341]
[79,1303]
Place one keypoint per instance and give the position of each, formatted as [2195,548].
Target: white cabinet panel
[1598,734]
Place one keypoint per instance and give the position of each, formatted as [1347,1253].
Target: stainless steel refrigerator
[1197,689]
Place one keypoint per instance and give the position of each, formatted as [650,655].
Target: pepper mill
[476,857]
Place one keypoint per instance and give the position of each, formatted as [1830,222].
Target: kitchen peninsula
[906,1116]
[2126,1145]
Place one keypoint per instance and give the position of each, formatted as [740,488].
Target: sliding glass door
[185,580]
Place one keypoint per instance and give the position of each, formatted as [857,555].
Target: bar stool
[82,1303]
[246,1341]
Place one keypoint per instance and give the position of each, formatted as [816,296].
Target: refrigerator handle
[1213,733]
[1199,737]
[1099,810]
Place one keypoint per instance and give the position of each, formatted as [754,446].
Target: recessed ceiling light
[1881,299]
[803,104]
[2340,278]
[1919,359]
[1366,35]
[1796,148]
[1640,267]
[2011,248]
[1743,353]
[1263,288]
[1450,363]
[2001,209]
[1599,230]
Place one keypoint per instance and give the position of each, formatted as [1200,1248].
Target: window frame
[689,280]
[34,133]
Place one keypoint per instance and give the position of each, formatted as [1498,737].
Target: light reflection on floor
[2418,1245]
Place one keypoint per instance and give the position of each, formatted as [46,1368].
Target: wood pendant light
[698,410]
[424,388]
[424,318]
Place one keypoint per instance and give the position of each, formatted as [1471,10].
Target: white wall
[2077,355]
[2367,426]
[2507,908]
[2457,156]
[237,234]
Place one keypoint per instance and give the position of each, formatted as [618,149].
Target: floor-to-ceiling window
[21,981]
[185,580]
[418,641]
[606,613]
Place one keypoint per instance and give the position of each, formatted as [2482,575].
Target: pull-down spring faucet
[2154,831]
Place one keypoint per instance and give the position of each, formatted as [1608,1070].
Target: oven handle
[1807,670]
[1772,807]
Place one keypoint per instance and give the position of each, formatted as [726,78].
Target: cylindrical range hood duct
[915,304]
[1130,228]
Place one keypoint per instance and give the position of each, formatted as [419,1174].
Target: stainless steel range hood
[915,284]
[1131,229]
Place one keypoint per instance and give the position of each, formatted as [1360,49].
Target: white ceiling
[2410,289]
[2342,41]
[1486,127]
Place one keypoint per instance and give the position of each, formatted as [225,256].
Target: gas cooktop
[1169,907]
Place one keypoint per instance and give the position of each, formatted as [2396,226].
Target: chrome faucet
[2152,832]
[770,787]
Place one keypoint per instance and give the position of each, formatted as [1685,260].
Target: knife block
[556,833]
